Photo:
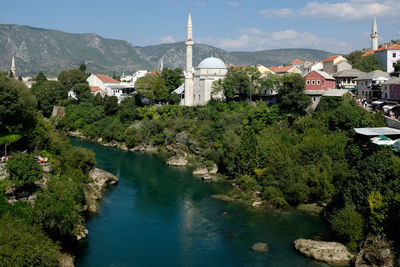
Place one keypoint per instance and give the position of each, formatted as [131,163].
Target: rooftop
[372,75]
[296,62]
[106,79]
[331,58]
[324,75]
[212,63]
[377,131]
[348,73]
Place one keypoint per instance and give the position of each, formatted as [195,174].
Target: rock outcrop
[65,260]
[375,251]
[93,191]
[329,252]
[223,197]
[177,161]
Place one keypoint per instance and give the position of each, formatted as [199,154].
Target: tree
[236,84]
[127,110]
[110,104]
[348,224]
[11,75]
[24,245]
[172,78]
[23,169]
[368,64]
[355,56]
[20,78]
[247,158]
[397,67]
[69,78]
[17,106]
[82,67]
[48,93]
[40,78]
[152,87]
[291,95]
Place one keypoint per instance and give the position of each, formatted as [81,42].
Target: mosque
[198,81]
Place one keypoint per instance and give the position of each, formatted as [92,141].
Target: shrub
[80,158]
[246,182]
[24,245]
[23,169]
[348,224]
[274,196]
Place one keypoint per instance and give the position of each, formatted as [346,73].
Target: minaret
[13,66]
[374,35]
[162,63]
[189,68]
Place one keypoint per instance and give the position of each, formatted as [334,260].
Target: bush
[57,209]
[23,169]
[246,182]
[275,196]
[348,224]
[24,245]
[80,158]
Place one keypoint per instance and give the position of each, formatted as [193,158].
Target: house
[319,80]
[286,70]
[335,64]
[133,78]
[309,66]
[387,55]
[264,70]
[369,84]
[391,89]
[317,83]
[345,79]
[105,85]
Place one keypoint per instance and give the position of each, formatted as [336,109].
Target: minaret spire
[374,35]
[189,97]
[13,65]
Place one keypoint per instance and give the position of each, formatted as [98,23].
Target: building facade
[319,80]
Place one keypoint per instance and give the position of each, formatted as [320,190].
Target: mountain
[52,51]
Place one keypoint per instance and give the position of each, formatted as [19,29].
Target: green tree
[48,93]
[291,95]
[172,78]
[80,158]
[24,245]
[40,78]
[82,67]
[110,104]
[17,106]
[69,78]
[247,158]
[128,109]
[348,224]
[355,56]
[152,87]
[23,169]
[20,78]
[368,64]
[11,75]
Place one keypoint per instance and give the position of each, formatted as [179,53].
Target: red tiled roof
[283,69]
[339,62]
[368,53]
[106,79]
[296,62]
[94,89]
[331,58]
[273,68]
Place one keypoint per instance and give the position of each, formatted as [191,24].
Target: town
[216,163]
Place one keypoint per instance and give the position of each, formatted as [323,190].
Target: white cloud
[233,3]
[254,39]
[346,10]
[281,13]
[168,39]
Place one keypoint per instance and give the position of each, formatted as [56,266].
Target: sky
[339,26]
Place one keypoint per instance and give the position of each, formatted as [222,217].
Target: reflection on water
[162,216]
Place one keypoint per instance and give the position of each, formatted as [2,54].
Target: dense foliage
[23,169]
[30,233]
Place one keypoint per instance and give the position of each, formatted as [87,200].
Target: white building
[133,78]
[310,66]
[369,84]
[104,85]
[198,82]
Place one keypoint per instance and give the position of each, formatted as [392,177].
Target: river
[163,216]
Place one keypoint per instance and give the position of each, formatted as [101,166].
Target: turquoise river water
[163,216]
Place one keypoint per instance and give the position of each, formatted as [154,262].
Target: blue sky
[236,25]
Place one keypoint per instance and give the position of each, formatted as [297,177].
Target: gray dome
[212,63]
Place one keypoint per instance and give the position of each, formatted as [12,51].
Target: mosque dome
[212,63]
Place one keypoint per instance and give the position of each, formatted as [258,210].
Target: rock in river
[260,247]
[330,252]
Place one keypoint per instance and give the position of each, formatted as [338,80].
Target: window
[314,98]
[394,54]
[313,82]
[394,64]
[308,82]
[318,82]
